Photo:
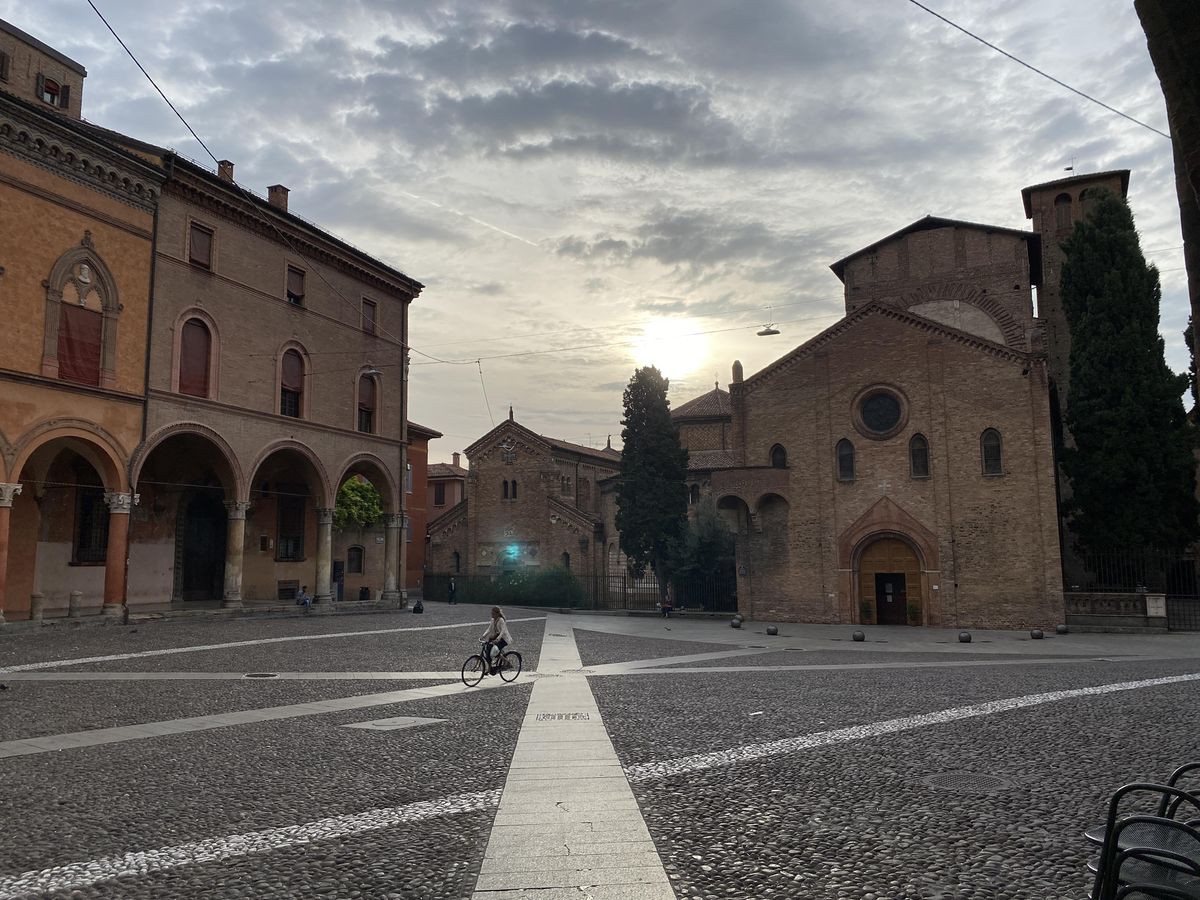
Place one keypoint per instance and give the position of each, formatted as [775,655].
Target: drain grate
[261,675]
[968,782]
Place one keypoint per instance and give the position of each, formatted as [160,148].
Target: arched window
[195,345]
[1062,211]
[366,404]
[845,460]
[354,561]
[291,385]
[514,489]
[918,456]
[992,452]
[457,562]
[778,457]
[505,494]
[694,494]
[566,561]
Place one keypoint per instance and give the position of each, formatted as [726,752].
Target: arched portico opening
[288,526]
[380,543]
[68,511]
[887,574]
[183,540]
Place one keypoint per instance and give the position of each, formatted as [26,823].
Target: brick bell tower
[1054,208]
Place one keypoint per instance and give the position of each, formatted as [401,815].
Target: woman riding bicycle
[496,636]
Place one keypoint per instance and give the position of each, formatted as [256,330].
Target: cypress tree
[1131,467]
[652,496]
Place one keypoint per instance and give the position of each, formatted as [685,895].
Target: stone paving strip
[54,663]
[46,744]
[648,667]
[568,824]
[558,838]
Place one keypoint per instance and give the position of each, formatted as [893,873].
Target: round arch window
[879,412]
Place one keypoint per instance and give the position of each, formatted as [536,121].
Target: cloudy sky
[628,181]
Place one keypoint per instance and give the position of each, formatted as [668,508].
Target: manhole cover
[968,782]
[261,675]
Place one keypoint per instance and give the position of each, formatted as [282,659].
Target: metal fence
[561,589]
[1140,571]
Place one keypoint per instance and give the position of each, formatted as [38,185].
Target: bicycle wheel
[473,670]
[510,666]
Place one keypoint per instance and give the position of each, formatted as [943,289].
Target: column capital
[121,504]
[393,520]
[324,515]
[237,508]
[8,492]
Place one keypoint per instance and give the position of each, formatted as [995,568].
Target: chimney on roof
[608,446]
[277,196]
[455,456]
[225,170]
[737,371]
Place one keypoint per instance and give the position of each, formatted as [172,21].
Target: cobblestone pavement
[754,778]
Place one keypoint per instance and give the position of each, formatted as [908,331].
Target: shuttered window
[366,404]
[200,246]
[295,286]
[195,345]
[291,388]
[79,336]
[439,494]
[368,317]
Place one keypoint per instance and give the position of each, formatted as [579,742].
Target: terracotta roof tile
[714,403]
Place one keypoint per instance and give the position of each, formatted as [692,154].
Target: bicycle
[507,665]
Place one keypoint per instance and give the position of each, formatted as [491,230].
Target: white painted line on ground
[80,875]
[702,761]
[14,677]
[54,663]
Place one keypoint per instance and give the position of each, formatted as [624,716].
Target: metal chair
[1150,852]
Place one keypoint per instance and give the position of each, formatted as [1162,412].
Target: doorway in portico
[201,546]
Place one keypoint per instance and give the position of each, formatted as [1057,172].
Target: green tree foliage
[358,505]
[652,496]
[1190,339]
[1132,469]
[707,547]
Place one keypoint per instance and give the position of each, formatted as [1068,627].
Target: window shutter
[79,332]
[194,347]
[64,97]
[41,85]
[293,372]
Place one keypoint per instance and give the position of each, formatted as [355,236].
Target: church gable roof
[930,223]
[608,457]
[878,308]
[714,404]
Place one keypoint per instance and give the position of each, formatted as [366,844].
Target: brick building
[216,422]
[531,501]
[76,232]
[446,486]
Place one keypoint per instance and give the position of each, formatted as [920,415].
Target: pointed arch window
[82,311]
[918,456]
[195,348]
[505,494]
[845,460]
[291,385]
[514,489]
[778,457]
[366,404]
[991,450]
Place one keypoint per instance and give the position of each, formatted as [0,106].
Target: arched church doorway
[200,546]
[889,579]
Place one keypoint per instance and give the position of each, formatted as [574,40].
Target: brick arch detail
[142,453]
[887,519]
[390,492]
[110,460]
[304,450]
[1014,333]
[767,495]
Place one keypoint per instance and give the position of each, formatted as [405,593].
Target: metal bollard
[37,603]
[75,604]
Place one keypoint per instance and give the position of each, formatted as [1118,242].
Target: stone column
[324,553]
[402,562]
[235,543]
[391,558]
[116,560]
[7,493]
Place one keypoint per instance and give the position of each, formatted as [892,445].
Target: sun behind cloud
[673,345]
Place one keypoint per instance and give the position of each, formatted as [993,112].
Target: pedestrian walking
[451,592]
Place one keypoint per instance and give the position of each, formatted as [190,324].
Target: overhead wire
[1034,68]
